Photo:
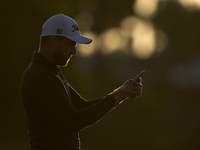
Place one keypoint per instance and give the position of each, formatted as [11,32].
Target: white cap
[61,25]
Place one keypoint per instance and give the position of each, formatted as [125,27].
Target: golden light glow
[190,5]
[88,49]
[84,21]
[145,8]
[112,40]
[127,25]
[162,41]
[144,40]
[139,35]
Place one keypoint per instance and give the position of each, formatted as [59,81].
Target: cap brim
[80,39]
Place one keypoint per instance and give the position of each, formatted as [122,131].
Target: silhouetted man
[55,112]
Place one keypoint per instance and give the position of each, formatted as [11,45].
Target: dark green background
[166,117]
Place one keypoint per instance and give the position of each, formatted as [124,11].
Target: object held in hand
[139,76]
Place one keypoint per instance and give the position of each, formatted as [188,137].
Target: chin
[64,64]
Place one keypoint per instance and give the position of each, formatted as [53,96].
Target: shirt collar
[39,59]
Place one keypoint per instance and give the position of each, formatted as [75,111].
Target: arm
[48,99]
[52,103]
[131,88]
[79,102]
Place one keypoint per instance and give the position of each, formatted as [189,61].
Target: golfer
[55,112]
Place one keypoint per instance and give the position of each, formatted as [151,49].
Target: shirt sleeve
[79,102]
[47,95]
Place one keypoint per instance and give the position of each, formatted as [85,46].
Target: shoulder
[36,74]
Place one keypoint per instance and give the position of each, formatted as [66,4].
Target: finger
[133,95]
[137,88]
[128,81]
[140,93]
[141,74]
[136,83]
[139,80]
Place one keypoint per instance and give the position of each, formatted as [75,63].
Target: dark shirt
[54,111]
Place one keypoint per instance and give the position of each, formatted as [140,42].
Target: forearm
[79,102]
[96,112]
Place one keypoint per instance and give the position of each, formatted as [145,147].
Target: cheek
[62,51]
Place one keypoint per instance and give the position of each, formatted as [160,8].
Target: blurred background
[161,36]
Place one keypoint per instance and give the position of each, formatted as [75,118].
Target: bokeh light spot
[190,5]
[112,40]
[161,41]
[145,8]
[88,49]
[127,25]
[85,21]
[144,41]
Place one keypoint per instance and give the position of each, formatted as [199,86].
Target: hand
[131,88]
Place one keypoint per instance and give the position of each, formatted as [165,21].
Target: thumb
[142,73]
[128,81]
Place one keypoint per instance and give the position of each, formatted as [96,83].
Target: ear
[53,42]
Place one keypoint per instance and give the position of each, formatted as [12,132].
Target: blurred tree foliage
[166,116]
